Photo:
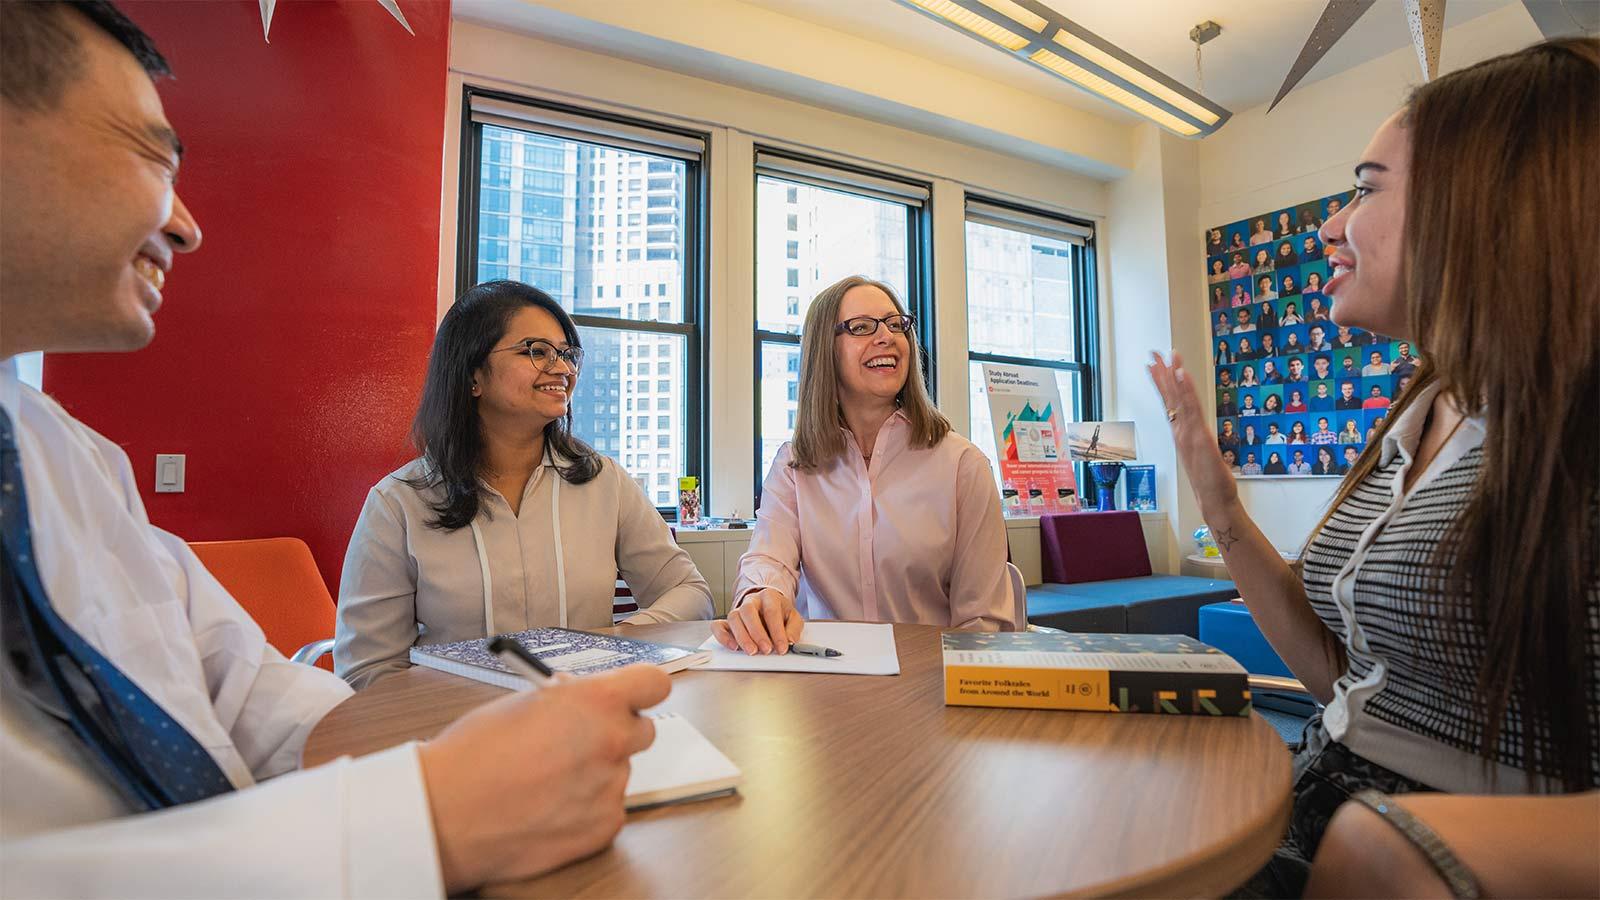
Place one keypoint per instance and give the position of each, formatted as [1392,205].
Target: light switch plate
[169,473]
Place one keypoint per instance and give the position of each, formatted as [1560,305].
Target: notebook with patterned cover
[562,649]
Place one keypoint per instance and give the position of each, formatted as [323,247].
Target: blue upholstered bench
[1151,604]
[1098,578]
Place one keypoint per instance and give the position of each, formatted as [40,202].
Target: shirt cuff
[393,851]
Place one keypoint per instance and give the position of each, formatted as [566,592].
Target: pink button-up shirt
[917,536]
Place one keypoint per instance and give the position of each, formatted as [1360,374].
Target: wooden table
[860,786]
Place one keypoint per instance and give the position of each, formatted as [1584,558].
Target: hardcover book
[1147,673]
[562,649]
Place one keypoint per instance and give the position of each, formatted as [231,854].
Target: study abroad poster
[1035,473]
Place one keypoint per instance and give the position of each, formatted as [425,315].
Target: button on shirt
[915,536]
[142,599]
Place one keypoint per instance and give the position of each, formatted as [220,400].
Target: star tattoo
[1225,538]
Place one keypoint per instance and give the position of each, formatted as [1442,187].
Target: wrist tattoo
[1225,538]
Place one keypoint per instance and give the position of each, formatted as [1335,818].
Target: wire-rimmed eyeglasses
[866,326]
[545,354]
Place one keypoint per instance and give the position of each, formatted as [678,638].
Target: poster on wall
[1035,475]
[1100,441]
[1297,394]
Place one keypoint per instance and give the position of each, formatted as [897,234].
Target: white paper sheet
[868,650]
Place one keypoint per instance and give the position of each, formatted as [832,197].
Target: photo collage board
[1296,394]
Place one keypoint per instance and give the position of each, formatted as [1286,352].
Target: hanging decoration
[1426,18]
[1336,19]
[268,7]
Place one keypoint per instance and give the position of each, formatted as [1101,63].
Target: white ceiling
[1243,67]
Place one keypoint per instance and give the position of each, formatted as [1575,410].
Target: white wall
[737,119]
[1152,290]
[1307,149]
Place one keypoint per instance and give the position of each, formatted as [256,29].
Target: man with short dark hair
[131,682]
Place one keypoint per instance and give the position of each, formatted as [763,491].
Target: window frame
[1085,312]
[695,265]
[919,268]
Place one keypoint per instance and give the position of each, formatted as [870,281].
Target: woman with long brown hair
[876,511]
[1448,611]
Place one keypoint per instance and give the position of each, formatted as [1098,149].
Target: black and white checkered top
[1407,700]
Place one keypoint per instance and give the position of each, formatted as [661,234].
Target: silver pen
[814,650]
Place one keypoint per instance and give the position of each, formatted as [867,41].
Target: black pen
[814,650]
[519,660]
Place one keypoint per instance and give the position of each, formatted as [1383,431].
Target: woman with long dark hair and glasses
[1447,611]
[507,520]
[877,511]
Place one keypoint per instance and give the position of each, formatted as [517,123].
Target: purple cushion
[1092,546]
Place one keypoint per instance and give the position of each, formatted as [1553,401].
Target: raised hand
[1193,435]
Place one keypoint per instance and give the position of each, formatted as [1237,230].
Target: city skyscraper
[602,231]
[807,238]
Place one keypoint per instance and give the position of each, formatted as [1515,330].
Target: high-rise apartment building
[602,231]
[806,239]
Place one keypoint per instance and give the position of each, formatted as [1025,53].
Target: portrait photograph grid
[1297,394]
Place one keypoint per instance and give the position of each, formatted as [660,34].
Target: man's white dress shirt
[351,828]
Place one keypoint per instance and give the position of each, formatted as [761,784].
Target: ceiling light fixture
[1031,31]
[962,17]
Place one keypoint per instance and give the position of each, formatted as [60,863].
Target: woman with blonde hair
[876,511]
[1448,609]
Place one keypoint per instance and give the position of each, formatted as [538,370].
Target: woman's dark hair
[1502,161]
[446,430]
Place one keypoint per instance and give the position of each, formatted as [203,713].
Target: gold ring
[1171,414]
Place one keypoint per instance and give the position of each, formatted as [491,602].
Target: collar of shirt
[1405,433]
[880,446]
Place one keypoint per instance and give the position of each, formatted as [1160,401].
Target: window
[852,222]
[550,238]
[1030,301]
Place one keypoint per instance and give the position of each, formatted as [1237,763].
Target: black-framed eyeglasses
[866,326]
[544,354]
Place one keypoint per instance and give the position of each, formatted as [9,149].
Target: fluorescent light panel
[1133,76]
[1084,63]
[965,18]
[1116,94]
[1011,10]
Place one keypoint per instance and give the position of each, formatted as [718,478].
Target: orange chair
[277,582]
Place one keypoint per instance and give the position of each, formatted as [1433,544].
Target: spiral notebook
[680,767]
[562,649]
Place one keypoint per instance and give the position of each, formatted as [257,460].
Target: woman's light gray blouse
[405,583]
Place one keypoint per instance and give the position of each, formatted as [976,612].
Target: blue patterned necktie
[143,750]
